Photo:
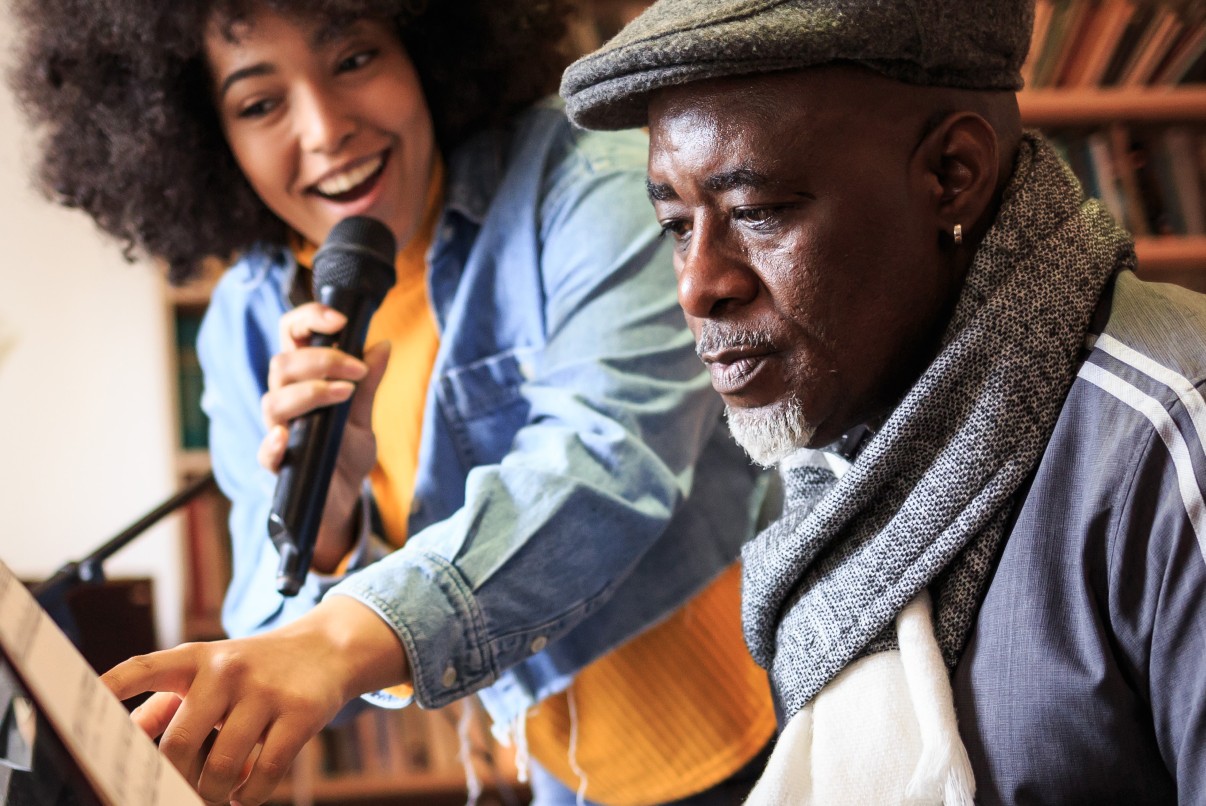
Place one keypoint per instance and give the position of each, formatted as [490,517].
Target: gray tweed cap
[970,44]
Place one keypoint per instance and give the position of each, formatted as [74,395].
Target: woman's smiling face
[326,121]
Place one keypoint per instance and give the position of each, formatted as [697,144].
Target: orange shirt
[406,319]
[679,708]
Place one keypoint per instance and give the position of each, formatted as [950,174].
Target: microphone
[353,271]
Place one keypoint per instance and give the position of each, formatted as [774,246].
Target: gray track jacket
[1085,678]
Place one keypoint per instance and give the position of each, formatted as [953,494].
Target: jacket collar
[475,172]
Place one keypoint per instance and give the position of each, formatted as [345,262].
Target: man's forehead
[817,99]
[715,152]
[746,127]
[797,117]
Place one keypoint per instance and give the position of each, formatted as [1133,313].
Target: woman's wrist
[363,644]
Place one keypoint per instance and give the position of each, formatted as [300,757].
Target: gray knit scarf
[927,501]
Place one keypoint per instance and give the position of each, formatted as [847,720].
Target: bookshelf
[206,549]
[1178,258]
[1120,86]
[1067,106]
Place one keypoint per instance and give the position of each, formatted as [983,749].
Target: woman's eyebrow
[251,71]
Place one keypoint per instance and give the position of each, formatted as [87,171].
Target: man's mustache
[715,337]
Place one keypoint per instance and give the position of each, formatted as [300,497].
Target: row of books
[194,425]
[1122,43]
[207,564]
[1153,181]
[409,751]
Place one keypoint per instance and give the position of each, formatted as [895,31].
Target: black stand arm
[52,594]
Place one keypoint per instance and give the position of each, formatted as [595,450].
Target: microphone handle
[311,453]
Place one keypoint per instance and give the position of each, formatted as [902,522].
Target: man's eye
[677,229]
[758,216]
[356,61]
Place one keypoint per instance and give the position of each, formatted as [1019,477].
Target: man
[908,305]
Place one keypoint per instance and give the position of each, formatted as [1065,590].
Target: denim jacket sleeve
[617,410]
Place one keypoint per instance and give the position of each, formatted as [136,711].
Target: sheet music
[119,760]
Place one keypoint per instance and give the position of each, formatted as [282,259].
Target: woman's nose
[325,124]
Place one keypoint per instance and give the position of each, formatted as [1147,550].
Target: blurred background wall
[87,429]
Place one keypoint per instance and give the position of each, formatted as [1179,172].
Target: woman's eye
[257,109]
[356,61]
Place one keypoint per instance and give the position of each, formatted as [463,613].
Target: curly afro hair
[120,94]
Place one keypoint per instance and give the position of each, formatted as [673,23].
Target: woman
[536,501]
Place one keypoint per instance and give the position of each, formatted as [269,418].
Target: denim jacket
[576,483]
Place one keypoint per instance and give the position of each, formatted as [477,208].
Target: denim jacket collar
[474,174]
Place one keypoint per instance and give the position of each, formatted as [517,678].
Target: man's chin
[770,433]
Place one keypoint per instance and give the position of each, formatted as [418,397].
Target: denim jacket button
[449,677]
[539,643]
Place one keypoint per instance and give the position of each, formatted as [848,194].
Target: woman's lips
[361,189]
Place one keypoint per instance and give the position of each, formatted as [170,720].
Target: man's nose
[714,276]
[324,124]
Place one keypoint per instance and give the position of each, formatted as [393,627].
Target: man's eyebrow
[716,183]
[659,191]
[261,69]
[736,178]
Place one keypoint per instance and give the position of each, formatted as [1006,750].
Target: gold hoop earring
[958,233]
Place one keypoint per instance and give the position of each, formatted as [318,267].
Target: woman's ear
[959,159]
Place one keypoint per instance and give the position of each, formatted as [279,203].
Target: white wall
[87,429]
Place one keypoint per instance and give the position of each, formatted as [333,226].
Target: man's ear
[959,161]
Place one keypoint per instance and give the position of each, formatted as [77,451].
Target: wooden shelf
[193,462]
[402,787]
[197,292]
[1179,259]
[193,295]
[342,788]
[1092,107]
[1171,253]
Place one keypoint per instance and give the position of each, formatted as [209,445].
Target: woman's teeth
[343,182]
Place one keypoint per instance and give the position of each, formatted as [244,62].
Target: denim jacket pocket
[484,405]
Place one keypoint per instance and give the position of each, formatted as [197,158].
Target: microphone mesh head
[357,254]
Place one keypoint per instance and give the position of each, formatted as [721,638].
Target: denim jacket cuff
[432,609]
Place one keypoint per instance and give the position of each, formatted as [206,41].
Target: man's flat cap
[970,44]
